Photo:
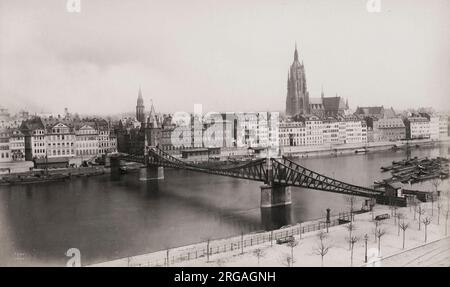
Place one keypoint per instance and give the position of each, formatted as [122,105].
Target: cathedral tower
[297,100]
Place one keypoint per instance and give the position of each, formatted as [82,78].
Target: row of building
[178,132]
[38,138]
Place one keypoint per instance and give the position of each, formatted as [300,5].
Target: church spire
[322,95]
[140,107]
[296,53]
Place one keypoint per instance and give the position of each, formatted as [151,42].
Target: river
[109,218]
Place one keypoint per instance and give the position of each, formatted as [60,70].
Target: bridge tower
[150,172]
[152,132]
[274,194]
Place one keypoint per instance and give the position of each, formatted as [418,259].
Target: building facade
[34,132]
[60,139]
[17,145]
[389,129]
[5,153]
[417,127]
[87,142]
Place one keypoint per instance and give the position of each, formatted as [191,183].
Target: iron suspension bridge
[273,171]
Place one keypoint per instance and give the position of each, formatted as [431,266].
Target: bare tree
[291,244]
[446,220]
[167,256]
[287,260]
[448,197]
[350,227]
[426,221]
[351,200]
[403,226]
[259,253]
[420,211]
[352,240]
[399,216]
[439,207]
[414,205]
[436,182]
[372,205]
[380,233]
[377,226]
[393,209]
[129,260]
[242,243]
[432,205]
[322,235]
[207,249]
[322,250]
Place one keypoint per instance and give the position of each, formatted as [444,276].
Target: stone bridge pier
[273,195]
[113,162]
[151,173]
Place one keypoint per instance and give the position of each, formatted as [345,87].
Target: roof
[369,110]
[334,103]
[315,101]
[390,123]
[32,124]
[395,185]
[417,119]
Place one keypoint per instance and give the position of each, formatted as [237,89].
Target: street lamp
[366,237]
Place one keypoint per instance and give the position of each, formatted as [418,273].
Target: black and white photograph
[226,134]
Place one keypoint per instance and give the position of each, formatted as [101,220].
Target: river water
[108,218]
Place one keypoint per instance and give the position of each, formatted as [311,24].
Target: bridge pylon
[273,195]
[150,172]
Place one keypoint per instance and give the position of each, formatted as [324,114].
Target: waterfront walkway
[417,252]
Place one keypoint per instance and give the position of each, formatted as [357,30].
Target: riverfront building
[34,132]
[389,129]
[417,127]
[5,153]
[16,144]
[443,126]
[313,131]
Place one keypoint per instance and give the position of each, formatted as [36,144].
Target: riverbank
[57,174]
[389,251]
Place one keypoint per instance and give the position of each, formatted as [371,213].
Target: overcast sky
[226,55]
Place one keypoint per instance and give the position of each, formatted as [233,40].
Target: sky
[229,55]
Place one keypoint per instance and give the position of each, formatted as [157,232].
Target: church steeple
[140,116]
[296,53]
[297,100]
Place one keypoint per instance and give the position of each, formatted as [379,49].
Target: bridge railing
[236,244]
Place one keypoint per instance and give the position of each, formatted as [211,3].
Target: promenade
[264,251]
